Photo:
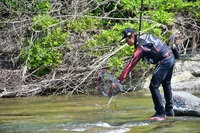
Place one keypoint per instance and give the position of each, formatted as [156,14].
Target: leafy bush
[25,5]
[83,24]
[43,52]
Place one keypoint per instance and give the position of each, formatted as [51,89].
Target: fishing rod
[140,24]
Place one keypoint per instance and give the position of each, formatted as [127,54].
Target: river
[88,114]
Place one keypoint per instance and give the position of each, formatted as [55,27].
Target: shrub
[43,49]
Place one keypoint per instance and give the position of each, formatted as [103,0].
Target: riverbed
[89,114]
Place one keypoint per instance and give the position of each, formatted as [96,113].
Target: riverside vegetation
[58,47]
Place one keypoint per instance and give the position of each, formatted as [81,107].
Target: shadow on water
[88,114]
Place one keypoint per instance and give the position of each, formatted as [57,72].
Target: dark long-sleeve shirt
[145,50]
[137,55]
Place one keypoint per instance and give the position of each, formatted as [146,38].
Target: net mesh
[107,85]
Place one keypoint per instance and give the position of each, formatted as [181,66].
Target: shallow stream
[88,114]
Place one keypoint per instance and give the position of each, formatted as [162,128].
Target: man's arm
[137,55]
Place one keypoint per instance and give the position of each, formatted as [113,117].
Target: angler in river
[149,48]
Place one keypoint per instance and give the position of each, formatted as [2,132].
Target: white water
[100,127]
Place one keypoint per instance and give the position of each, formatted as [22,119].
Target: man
[155,52]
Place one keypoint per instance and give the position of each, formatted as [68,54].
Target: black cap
[126,33]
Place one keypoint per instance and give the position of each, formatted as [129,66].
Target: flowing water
[88,114]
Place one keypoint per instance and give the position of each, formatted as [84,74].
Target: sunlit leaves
[42,22]
[83,24]
[44,52]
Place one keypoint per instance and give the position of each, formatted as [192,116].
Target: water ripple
[100,127]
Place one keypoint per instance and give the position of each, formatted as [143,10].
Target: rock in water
[185,104]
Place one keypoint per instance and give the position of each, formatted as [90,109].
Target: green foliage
[162,17]
[173,7]
[44,52]
[108,40]
[83,24]
[43,22]
[133,5]
[43,6]
[158,14]
[115,64]
[28,6]
[194,9]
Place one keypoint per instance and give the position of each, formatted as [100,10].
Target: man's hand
[113,86]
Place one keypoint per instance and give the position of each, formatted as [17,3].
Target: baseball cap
[126,33]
